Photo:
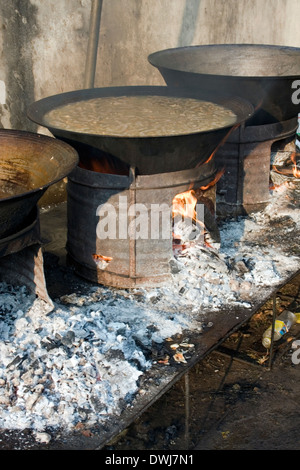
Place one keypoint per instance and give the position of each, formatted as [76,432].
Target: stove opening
[289,166]
[194,217]
[124,228]
[94,159]
[285,170]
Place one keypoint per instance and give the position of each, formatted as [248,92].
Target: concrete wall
[131,29]
[43,43]
[43,47]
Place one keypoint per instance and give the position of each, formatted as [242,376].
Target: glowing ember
[103,164]
[102,261]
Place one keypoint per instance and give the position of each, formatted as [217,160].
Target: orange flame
[296,172]
[220,144]
[288,172]
[101,261]
[184,204]
[103,164]
[214,181]
[101,258]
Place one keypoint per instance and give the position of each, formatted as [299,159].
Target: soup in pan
[140,116]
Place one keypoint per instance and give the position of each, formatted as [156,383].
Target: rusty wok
[148,155]
[29,164]
[265,75]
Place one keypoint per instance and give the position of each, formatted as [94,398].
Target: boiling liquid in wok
[140,116]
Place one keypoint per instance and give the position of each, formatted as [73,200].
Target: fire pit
[246,155]
[267,77]
[141,172]
[88,370]
[29,164]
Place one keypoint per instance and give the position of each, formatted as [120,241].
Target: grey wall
[131,29]
[43,47]
[43,43]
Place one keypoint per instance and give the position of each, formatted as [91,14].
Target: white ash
[208,278]
[82,362]
[78,363]
[43,437]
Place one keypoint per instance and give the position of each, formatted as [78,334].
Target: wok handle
[91,59]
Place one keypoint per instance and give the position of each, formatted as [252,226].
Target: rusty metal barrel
[245,186]
[119,227]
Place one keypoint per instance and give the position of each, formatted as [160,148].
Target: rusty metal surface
[29,235]
[148,155]
[26,268]
[21,259]
[262,74]
[246,155]
[29,164]
[135,261]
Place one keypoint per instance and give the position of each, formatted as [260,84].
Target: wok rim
[35,136]
[36,114]
[158,54]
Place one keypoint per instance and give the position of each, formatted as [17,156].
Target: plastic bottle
[282,325]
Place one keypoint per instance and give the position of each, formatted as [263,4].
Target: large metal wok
[148,155]
[29,164]
[262,74]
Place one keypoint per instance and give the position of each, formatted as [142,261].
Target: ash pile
[83,362]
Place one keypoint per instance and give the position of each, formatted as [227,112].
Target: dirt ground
[235,399]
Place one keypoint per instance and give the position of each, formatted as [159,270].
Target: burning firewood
[102,261]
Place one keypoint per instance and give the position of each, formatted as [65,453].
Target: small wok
[29,164]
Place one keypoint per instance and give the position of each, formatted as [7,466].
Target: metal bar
[132,227]
[187,409]
[272,331]
[91,59]
[240,168]
[26,268]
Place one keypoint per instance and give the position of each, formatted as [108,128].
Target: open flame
[185,205]
[214,181]
[289,171]
[225,138]
[101,261]
[296,172]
